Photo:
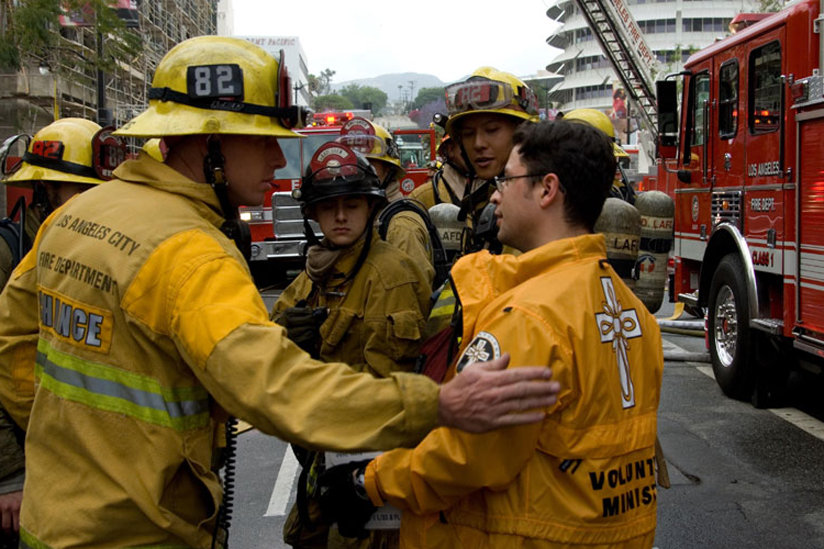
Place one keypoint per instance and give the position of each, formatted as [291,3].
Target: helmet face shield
[370,145]
[12,152]
[371,140]
[292,116]
[477,95]
[483,95]
[329,175]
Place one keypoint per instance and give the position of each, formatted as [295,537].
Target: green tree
[428,95]
[333,102]
[768,6]
[365,97]
[31,32]
[314,84]
[326,81]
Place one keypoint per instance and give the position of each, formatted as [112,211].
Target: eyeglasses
[501,181]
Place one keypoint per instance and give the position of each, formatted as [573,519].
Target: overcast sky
[447,38]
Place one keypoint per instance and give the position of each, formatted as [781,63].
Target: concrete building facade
[673,29]
[66,82]
[294,59]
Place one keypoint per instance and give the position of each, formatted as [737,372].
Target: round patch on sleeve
[484,347]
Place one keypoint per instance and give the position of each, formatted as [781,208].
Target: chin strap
[466,205]
[233,227]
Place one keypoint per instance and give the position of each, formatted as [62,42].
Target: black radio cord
[220,538]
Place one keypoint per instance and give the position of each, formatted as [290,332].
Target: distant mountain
[396,86]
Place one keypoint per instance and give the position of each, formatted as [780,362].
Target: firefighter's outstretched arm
[488,396]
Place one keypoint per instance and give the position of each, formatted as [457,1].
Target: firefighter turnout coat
[376,319]
[583,476]
[144,325]
[407,232]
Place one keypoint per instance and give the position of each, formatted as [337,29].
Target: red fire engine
[278,238]
[745,158]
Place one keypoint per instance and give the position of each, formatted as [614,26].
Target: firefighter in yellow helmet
[622,187]
[402,223]
[483,112]
[64,158]
[148,329]
[448,183]
[370,300]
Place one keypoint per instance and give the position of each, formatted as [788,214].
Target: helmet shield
[12,152]
[489,90]
[372,140]
[337,170]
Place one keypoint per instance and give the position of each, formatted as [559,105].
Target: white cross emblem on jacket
[618,327]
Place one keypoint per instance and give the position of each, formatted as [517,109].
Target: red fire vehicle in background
[745,158]
[278,237]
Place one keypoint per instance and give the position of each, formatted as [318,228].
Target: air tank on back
[657,210]
[620,223]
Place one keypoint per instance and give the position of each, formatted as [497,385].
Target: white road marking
[806,423]
[283,485]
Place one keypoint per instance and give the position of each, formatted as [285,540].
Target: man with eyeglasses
[137,314]
[585,477]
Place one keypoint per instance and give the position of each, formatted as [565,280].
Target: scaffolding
[69,84]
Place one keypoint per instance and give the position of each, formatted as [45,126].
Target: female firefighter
[360,300]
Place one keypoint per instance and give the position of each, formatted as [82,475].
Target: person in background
[58,163]
[137,315]
[621,187]
[449,183]
[403,227]
[369,300]
[561,304]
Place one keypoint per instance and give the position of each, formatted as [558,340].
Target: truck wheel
[729,331]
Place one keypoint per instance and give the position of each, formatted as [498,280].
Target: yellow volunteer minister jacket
[583,476]
[144,324]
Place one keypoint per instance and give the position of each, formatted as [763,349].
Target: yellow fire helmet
[68,150]
[596,118]
[372,140]
[490,90]
[219,85]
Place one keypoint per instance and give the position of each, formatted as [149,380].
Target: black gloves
[343,498]
[302,325]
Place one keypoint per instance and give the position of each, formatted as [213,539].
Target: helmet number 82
[215,81]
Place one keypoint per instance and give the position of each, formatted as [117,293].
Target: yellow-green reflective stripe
[445,305]
[107,388]
[28,541]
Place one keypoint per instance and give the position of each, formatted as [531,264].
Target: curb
[686,356]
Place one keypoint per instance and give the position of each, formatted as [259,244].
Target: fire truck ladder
[622,42]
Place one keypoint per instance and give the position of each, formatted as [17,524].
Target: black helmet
[337,170]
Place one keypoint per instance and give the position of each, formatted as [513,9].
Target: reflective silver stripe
[108,388]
